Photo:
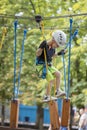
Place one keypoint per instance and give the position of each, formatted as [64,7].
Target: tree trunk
[2,114]
[39,121]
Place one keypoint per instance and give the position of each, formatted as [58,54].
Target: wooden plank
[14,113]
[65,113]
[54,118]
[8,128]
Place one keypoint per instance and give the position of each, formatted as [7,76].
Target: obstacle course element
[14,113]
[15,102]
[54,118]
[65,113]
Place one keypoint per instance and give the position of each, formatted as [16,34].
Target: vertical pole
[14,113]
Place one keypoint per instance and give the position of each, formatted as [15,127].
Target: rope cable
[64,72]
[45,57]
[16,89]
[21,59]
[42,30]
[46,64]
[69,55]
[44,18]
[15,41]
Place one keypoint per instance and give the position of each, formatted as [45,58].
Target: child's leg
[50,84]
[55,74]
[49,127]
[58,92]
[58,77]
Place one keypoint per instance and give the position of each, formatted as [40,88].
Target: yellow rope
[47,72]
[3,36]
[45,60]
[42,29]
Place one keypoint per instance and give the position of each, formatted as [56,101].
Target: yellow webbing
[3,36]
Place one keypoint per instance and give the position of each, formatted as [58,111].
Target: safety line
[15,41]
[21,59]
[43,18]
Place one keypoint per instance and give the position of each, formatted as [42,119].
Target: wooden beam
[65,113]
[8,128]
[54,118]
[14,113]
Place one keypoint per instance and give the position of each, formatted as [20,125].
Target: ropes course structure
[15,102]
[52,105]
[66,102]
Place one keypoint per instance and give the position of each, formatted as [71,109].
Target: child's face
[54,44]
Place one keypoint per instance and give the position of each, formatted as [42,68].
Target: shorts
[50,72]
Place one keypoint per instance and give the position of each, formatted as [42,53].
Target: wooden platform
[54,118]
[14,112]
[65,113]
[8,128]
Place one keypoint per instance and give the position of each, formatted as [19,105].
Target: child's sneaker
[48,98]
[60,93]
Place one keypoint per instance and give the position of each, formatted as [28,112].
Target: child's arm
[40,49]
[39,52]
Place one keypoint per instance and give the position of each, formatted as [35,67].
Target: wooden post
[54,118]
[14,113]
[65,113]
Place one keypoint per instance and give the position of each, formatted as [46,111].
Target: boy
[58,40]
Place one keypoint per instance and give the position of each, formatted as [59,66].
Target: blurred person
[81,111]
[83,120]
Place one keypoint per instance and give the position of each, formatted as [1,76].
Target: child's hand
[61,52]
